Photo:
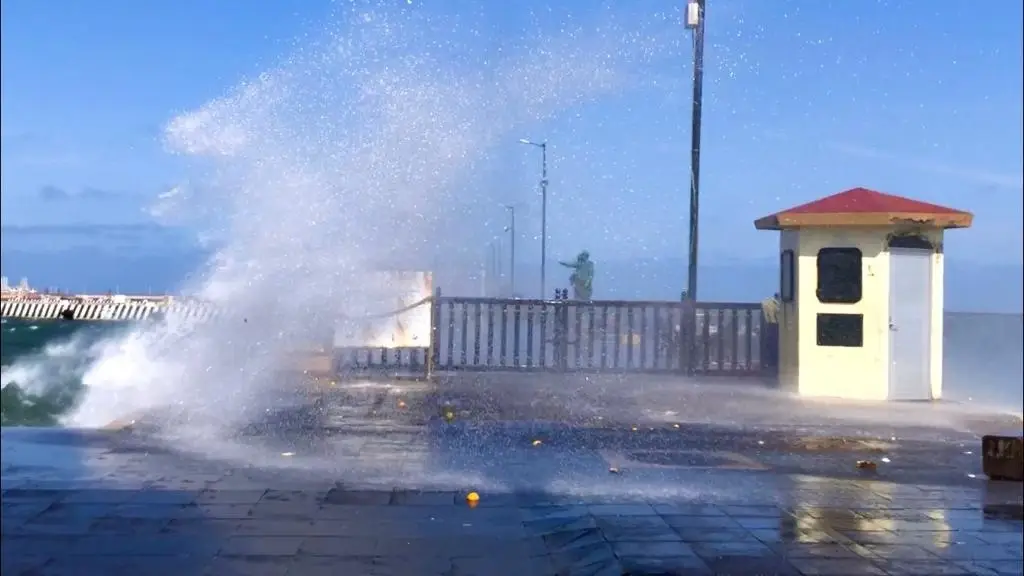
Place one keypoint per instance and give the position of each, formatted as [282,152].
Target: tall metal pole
[483,280]
[495,262]
[499,271]
[698,88]
[543,219]
[543,212]
[512,257]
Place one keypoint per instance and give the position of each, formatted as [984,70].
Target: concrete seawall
[52,309]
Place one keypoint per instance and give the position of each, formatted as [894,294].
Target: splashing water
[53,367]
[352,156]
[43,382]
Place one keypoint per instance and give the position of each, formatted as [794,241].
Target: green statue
[582,277]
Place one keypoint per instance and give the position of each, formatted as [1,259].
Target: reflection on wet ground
[373,480]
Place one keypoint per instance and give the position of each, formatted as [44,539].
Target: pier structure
[35,306]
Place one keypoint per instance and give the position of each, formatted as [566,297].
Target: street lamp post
[493,268]
[543,211]
[499,273]
[511,229]
[695,22]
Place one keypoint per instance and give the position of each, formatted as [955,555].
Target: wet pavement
[372,480]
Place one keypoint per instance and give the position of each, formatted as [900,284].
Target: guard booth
[860,295]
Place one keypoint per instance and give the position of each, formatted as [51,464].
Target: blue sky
[803,98]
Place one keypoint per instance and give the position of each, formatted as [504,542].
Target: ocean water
[983,359]
[44,361]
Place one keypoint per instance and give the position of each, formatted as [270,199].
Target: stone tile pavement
[215,531]
[383,493]
[160,513]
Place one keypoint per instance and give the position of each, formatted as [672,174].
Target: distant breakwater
[104,309]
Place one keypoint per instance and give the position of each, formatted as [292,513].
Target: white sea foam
[57,364]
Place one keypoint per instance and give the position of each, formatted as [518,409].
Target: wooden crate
[1002,457]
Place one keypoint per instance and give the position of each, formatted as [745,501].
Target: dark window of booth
[787,290]
[840,330]
[840,276]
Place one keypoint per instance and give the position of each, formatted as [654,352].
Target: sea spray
[355,154]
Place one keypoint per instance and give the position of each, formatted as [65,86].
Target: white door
[910,297]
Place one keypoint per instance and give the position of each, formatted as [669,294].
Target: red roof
[863,207]
[864,201]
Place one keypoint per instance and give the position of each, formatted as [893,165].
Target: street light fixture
[543,211]
[695,21]
[511,229]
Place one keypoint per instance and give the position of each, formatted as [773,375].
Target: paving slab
[373,480]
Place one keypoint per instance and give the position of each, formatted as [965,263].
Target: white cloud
[966,173]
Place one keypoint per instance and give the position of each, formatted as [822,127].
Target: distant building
[21,288]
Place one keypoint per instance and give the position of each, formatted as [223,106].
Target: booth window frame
[911,241]
[787,276]
[840,275]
